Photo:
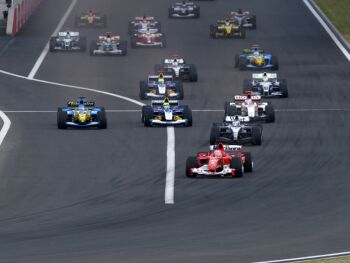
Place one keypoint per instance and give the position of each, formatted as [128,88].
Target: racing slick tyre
[274,62]
[270,112]
[212,31]
[253,21]
[236,61]
[247,85]
[82,44]
[133,42]
[62,118]
[197,12]
[243,63]
[143,90]
[248,162]
[188,116]
[230,110]
[131,28]
[52,44]
[191,162]
[242,34]
[101,117]
[180,90]
[236,163]
[214,133]
[93,47]
[123,46]
[256,135]
[170,12]
[163,40]
[147,116]
[193,73]
[283,88]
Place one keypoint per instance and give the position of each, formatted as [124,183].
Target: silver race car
[140,23]
[108,45]
[249,109]
[244,18]
[67,41]
[184,9]
[266,85]
[178,68]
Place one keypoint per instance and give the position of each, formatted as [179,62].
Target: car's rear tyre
[236,163]
[52,44]
[191,162]
[133,41]
[214,134]
[230,110]
[243,63]
[270,112]
[93,47]
[212,31]
[143,90]
[62,119]
[123,46]
[253,21]
[197,12]
[180,90]
[170,12]
[188,116]
[236,61]
[248,162]
[256,135]
[163,40]
[193,73]
[131,28]
[283,88]
[147,116]
[102,118]
[242,34]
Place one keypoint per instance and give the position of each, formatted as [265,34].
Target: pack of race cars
[242,123]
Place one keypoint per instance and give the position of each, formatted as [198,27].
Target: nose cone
[259,61]
[212,165]
[82,117]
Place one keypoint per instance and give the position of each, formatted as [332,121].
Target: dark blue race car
[256,58]
[81,113]
[161,86]
[166,112]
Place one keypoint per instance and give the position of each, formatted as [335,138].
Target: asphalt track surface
[98,195]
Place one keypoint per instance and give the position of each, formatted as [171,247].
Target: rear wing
[171,60]
[76,104]
[155,78]
[244,97]
[260,75]
[160,102]
[227,147]
[140,18]
[72,34]
[245,13]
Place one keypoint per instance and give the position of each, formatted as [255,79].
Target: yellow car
[90,19]
[226,29]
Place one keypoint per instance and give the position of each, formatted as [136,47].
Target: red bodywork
[148,38]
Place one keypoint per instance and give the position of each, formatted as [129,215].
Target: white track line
[307,258]
[5,127]
[170,167]
[328,30]
[47,46]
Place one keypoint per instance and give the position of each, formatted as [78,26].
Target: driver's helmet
[236,122]
[256,53]
[175,62]
[239,11]
[217,153]
[166,103]
[221,147]
[184,2]
[265,77]
[90,11]
[81,108]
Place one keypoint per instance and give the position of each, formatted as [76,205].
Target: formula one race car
[148,38]
[256,58]
[161,86]
[90,19]
[81,113]
[108,45]
[178,68]
[67,41]
[236,133]
[266,85]
[244,19]
[226,29]
[220,161]
[249,109]
[142,23]
[166,112]
[184,10]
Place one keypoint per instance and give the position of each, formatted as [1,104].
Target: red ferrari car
[148,39]
[221,160]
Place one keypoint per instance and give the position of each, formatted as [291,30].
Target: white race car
[68,41]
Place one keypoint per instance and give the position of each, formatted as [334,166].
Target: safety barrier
[18,15]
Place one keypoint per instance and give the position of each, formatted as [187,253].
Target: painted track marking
[328,30]
[46,49]
[5,127]
[307,258]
